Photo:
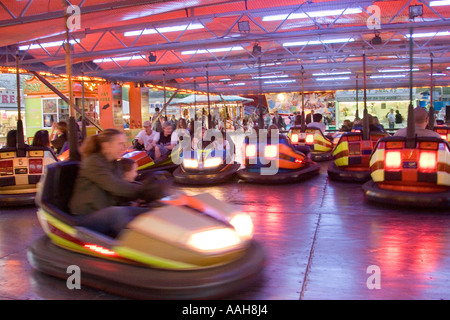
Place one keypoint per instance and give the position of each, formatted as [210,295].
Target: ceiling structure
[233,47]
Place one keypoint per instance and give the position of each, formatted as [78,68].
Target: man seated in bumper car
[421,118]
[99,186]
[411,167]
[153,150]
[148,139]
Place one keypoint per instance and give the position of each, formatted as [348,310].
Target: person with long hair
[59,136]
[100,187]
[41,139]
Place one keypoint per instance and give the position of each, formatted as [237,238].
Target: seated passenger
[373,127]
[376,123]
[346,126]
[214,141]
[129,169]
[180,131]
[317,123]
[164,144]
[11,139]
[297,121]
[99,187]
[421,121]
[58,136]
[41,139]
[148,139]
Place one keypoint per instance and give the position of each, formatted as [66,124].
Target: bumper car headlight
[243,225]
[190,163]
[214,240]
[213,162]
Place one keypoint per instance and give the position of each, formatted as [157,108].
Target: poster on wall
[110,104]
[288,103]
[145,105]
[117,105]
[318,102]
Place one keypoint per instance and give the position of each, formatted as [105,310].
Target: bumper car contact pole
[20,142]
[365,131]
[431,111]
[73,130]
[410,130]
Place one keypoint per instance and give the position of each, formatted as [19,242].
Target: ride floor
[322,241]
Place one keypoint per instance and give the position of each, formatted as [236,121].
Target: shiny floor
[322,240]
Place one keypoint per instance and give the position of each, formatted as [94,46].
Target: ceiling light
[312,42]
[428,34]
[200,51]
[312,14]
[47,44]
[116,59]
[164,29]
[384,76]
[237,84]
[271,77]
[439,3]
[278,81]
[398,70]
[331,73]
[332,78]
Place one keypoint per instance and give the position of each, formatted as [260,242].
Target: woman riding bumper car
[185,247]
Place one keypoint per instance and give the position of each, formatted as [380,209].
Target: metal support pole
[209,102]
[303,125]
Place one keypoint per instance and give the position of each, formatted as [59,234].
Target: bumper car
[351,157]
[444,132]
[21,168]
[414,176]
[186,247]
[205,166]
[147,165]
[280,162]
[321,146]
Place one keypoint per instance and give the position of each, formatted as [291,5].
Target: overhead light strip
[385,76]
[429,34]
[214,50]
[312,14]
[439,3]
[193,26]
[313,42]
[332,78]
[117,59]
[47,44]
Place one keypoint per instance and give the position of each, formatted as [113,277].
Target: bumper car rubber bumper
[338,174]
[19,199]
[205,178]
[425,200]
[321,156]
[140,282]
[281,177]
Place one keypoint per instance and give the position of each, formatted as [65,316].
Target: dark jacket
[99,184]
[58,142]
